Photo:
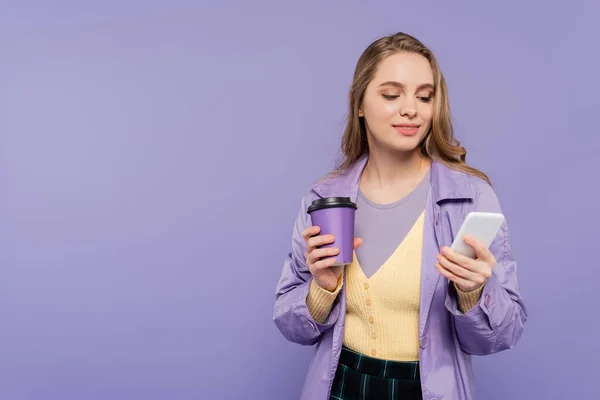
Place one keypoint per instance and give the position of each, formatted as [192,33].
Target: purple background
[153,156]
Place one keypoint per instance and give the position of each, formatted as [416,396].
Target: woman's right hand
[320,261]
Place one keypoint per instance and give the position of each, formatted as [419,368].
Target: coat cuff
[483,314]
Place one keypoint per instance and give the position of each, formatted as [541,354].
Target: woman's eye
[424,99]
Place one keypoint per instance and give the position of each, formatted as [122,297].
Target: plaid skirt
[359,377]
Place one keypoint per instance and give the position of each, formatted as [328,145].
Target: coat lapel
[446,185]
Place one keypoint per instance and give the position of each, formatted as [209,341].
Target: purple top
[447,338]
[384,226]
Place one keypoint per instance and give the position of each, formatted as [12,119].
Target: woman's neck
[390,176]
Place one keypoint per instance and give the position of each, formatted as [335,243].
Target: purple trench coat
[447,337]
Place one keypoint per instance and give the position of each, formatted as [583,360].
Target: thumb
[357,242]
[481,251]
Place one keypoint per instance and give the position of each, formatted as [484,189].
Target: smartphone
[481,225]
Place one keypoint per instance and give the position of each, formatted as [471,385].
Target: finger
[459,259]
[310,231]
[479,267]
[469,276]
[317,254]
[325,263]
[320,240]
[456,269]
[357,242]
[452,277]
[481,250]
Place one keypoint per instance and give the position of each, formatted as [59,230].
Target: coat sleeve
[291,314]
[496,322]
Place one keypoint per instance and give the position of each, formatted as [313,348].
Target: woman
[403,320]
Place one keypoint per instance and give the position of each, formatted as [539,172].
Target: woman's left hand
[467,273]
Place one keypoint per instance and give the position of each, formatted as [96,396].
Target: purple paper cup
[335,215]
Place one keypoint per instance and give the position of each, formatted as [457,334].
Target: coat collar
[446,183]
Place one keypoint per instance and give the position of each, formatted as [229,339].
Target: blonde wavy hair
[439,143]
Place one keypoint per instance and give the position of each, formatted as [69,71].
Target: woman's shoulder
[331,182]
[460,177]
[479,184]
[470,185]
[485,194]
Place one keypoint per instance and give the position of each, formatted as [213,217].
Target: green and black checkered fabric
[359,377]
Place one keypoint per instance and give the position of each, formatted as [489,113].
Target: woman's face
[398,102]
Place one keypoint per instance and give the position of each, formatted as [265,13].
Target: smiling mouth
[407,129]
